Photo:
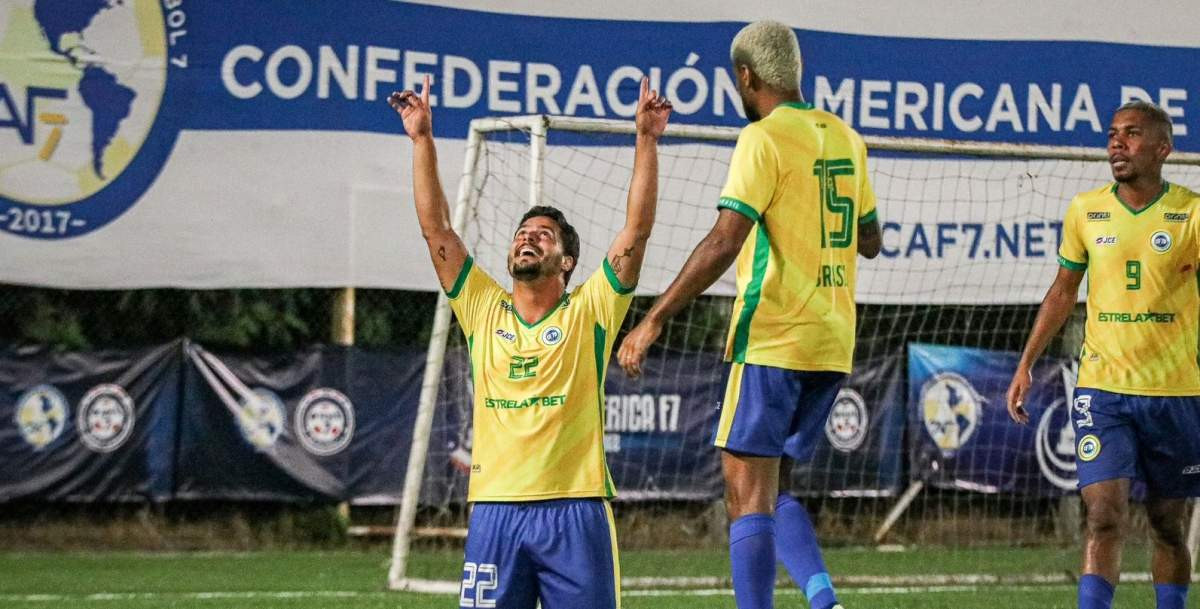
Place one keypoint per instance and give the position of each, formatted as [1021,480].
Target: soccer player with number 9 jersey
[1136,410]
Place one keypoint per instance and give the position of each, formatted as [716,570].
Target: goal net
[918,451]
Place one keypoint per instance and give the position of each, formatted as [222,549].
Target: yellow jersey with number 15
[538,411]
[801,175]
[1142,304]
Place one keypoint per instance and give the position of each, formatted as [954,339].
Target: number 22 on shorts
[478,581]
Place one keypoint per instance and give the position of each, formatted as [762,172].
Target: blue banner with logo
[861,453]
[961,436]
[95,426]
[330,423]
[658,432]
[95,95]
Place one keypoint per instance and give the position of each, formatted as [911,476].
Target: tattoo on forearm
[618,261]
[442,253]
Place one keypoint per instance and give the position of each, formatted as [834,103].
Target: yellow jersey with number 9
[538,412]
[1142,303]
[801,176]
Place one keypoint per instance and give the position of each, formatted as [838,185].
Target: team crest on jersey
[950,407]
[1160,241]
[324,421]
[261,418]
[1089,448]
[846,427]
[106,417]
[41,415]
[552,336]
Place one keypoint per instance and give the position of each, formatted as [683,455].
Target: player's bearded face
[1135,146]
[536,251]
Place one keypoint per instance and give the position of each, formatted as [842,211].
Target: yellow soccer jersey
[801,175]
[1142,303]
[539,388]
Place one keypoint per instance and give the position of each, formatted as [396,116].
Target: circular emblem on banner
[41,415]
[552,336]
[1160,241]
[950,408]
[261,418]
[1089,448]
[1055,446]
[82,138]
[324,421]
[105,418]
[848,421]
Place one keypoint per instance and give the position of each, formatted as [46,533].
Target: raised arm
[708,262]
[629,248]
[1055,310]
[433,212]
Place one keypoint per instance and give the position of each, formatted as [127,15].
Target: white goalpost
[961,286]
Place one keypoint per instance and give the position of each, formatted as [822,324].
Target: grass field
[355,580]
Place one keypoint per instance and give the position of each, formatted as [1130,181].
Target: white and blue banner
[223,144]
[960,434]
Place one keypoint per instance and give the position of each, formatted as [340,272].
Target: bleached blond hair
[771,51]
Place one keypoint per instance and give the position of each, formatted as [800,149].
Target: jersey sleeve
[473,292]
[1072,253]
[604,295]
[753,175]
[866,194]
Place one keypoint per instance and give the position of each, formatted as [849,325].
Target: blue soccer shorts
[770,412]
[562,552]
[1151,438]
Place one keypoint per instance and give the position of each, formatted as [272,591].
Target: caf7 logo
[24,124]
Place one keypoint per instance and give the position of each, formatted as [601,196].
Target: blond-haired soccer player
[541,528]
[794,212]
[1136,411]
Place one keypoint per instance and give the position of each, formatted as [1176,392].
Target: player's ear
[1165,148]
[745,75]
[567,264]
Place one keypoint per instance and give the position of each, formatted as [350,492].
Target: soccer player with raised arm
[795,211]
[1136,410]
[541,528]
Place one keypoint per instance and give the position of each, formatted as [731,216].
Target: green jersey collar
[544,317]
[1165,187]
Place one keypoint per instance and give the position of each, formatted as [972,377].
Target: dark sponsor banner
[861,452]
[659,428]
[960,433]
[328,423]
[92,426]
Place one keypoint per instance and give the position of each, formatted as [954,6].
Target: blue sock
[1170,596]
[752,554]
[1095,592]
[796,545]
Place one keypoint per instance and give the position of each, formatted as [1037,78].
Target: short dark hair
[1158,117]
[570,238]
